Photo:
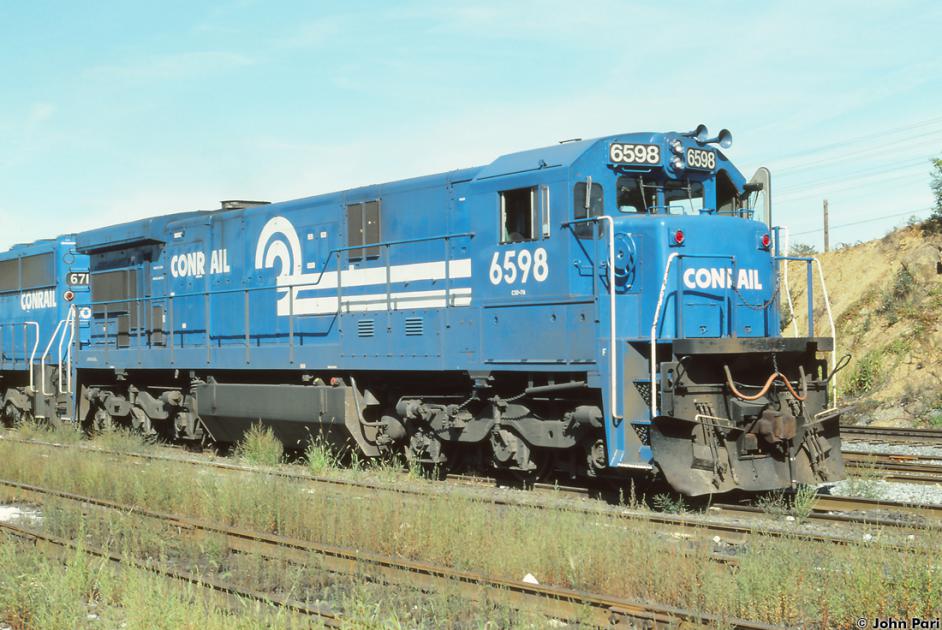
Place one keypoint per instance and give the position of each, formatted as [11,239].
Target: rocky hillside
[886,298]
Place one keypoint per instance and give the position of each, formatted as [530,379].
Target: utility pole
[826,240]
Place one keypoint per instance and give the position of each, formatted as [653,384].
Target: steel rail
[896,470]
[892,434]
[325,617]
[553,602]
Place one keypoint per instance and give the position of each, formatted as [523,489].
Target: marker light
[68,296]
[679,237]
[766,241]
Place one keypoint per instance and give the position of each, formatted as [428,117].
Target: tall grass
[83,591]
[260,446]
[777,580]
[361,601]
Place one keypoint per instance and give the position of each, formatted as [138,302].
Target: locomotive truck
[601,309]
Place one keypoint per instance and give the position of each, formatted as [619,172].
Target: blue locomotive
[597,308]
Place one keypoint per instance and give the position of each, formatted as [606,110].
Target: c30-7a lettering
[519,266]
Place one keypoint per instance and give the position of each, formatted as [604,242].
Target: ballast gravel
[911,493]
[896,449]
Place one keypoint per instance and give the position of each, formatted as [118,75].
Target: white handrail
[788,292]
[42,360]
[613,364]
[657,314]
[32,356]
[69,352]
[827,305]
[68,327]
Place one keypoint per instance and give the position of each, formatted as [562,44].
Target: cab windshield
[639,194]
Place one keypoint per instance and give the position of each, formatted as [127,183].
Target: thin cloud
[39,113]
[186,65]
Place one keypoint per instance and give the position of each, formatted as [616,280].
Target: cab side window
[584,208]
[363,228]
[518,215]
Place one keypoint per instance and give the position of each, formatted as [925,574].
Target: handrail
[291,285]
[69,355]
[14,326]
[657,314]
[68,327]
[779,230]
[42,360]
[32,356]
[827,306]
[282,286]
[612,348]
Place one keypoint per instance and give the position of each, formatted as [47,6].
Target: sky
[111,111]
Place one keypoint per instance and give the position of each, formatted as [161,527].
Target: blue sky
[118,110]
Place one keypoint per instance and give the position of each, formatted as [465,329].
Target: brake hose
[765,388]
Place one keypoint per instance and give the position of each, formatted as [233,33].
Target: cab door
[520,264]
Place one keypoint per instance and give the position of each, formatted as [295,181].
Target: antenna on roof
[570,140]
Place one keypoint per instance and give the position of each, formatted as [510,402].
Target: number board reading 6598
[634,153]
[700,158]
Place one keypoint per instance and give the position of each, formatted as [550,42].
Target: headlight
[677,146]
[677,163]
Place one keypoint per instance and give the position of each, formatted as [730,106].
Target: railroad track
[827,509]
[238,595]
[893,435]
[892,467]
[552,602]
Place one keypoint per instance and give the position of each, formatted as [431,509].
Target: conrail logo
[33,300]
[721,278]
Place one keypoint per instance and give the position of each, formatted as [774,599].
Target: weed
[867,483]
[260,446]
[866,374]
[320,457]
[897,295]
[774,503]
[121,439]
[667,503]
[799,504]
[803,502]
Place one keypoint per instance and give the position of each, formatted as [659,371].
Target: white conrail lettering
[193,264]
[722,278]
[33,300]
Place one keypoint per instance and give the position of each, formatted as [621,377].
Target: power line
[858,174]
[922,140]
[826,191]
[875,134]
[871,220]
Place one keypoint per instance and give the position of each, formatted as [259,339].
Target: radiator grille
[415,327]
[366,328]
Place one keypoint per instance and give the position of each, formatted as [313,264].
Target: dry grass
[777,581]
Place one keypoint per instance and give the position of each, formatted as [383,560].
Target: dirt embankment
[886,299]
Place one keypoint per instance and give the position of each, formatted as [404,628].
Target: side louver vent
[366,328]
[415,327]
